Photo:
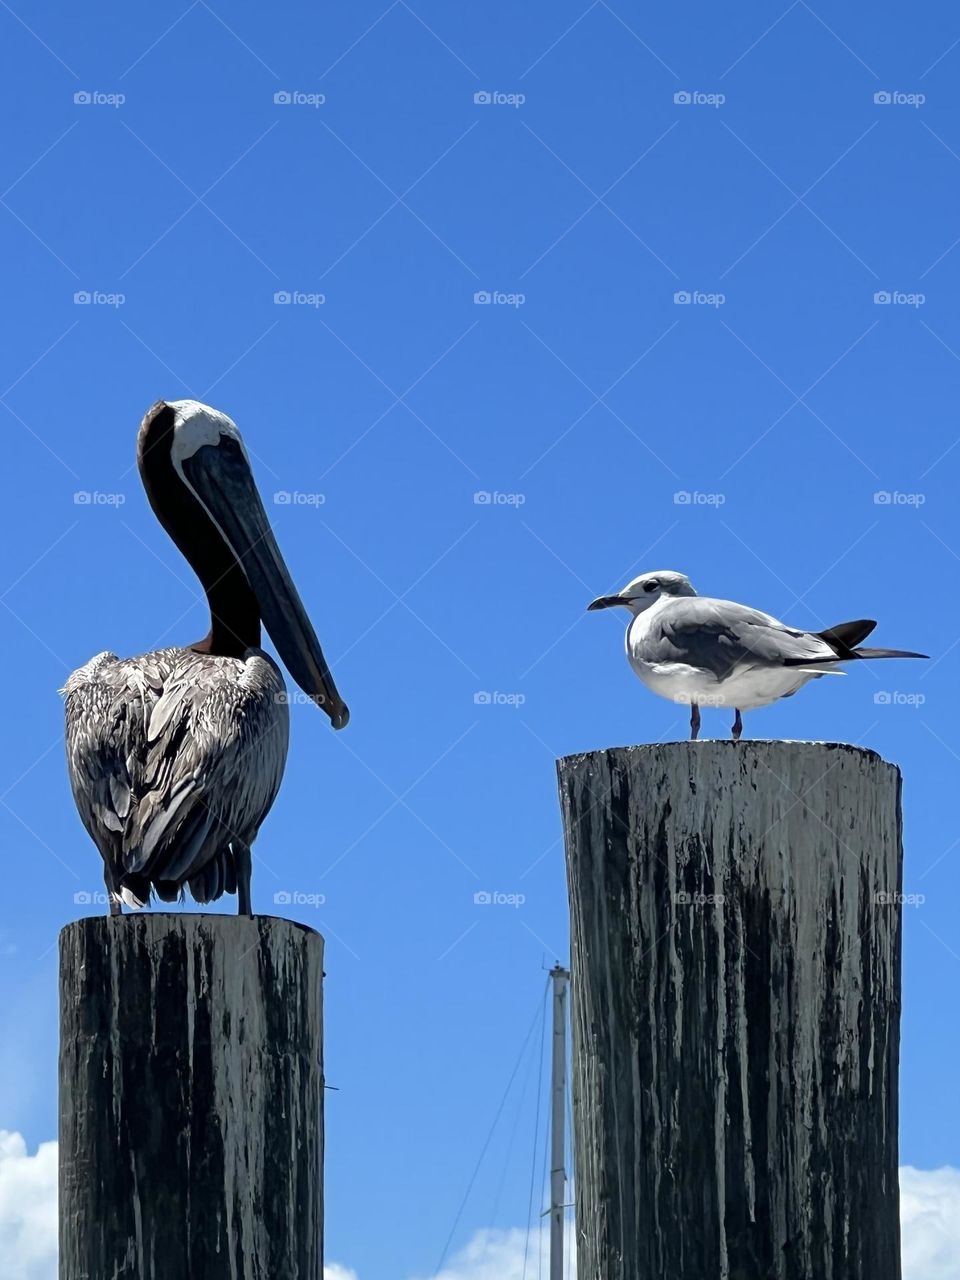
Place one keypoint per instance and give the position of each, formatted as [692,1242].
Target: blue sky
[741,436]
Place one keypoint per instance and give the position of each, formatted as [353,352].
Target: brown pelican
[176,756]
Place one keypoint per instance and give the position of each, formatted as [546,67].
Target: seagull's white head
[647,589]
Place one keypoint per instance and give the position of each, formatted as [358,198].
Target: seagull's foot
[694,722]
[737,727]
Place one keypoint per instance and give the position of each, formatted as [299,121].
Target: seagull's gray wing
[720,636]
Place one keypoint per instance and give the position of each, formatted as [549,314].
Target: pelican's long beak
[221,478]
[605,602]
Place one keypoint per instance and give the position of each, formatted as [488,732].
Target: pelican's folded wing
[216,748]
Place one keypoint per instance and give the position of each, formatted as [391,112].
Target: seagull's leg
[737,727]
[694,721]
[244,865]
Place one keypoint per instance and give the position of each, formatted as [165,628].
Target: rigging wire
[513,1135]
[516,1066]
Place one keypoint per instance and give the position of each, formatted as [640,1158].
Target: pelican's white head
[640,593]
[196,425]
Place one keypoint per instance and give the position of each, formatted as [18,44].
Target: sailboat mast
[560,978]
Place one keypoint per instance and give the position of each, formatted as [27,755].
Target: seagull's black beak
[605,602]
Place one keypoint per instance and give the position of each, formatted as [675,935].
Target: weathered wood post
[736,916]
[191,1099]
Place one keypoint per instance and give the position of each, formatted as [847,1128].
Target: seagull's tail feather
[847,635]
[852,655]
[888,653]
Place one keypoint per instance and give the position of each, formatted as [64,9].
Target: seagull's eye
[650,586]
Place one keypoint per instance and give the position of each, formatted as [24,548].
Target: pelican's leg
[694,721]
[737,727]
[244,865]
[113,897]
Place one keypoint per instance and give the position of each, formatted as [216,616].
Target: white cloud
[929,1217]
[499,1255]
[28,1209]
[930,1223]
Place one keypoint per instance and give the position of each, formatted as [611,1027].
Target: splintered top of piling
[705,747]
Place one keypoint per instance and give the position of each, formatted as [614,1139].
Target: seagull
[706,652]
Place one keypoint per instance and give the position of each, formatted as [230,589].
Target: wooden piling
[736,921]
[191,1099]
